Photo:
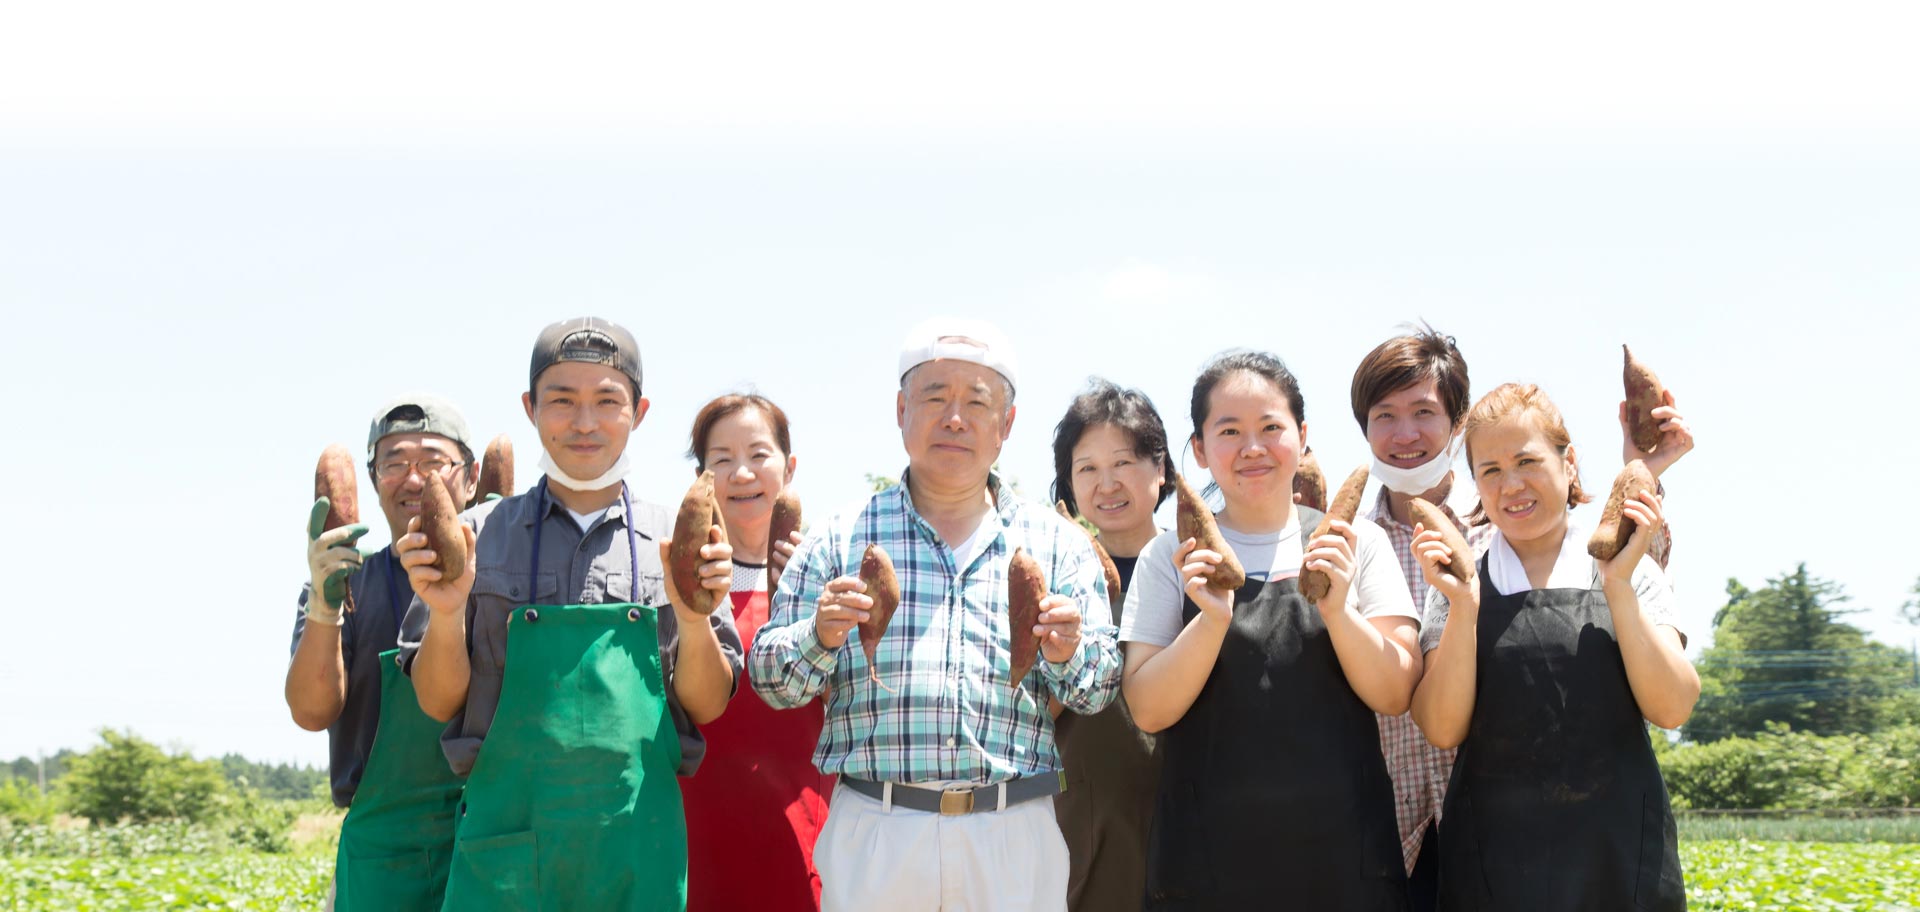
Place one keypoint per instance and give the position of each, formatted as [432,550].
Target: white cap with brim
[955,339]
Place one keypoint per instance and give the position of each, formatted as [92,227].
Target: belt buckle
[956,801]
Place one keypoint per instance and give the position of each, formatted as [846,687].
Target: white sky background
[228,231]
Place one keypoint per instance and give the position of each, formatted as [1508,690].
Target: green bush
[1780,769]
[23,803]
[127,778]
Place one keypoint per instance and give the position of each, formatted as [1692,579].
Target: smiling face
[1522,478]
[1114,486]
[1250,442]
[1409,426]
[584,413]
[749,470]
[954,418]
[400,466]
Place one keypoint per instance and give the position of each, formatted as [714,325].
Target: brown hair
[1402,361]
[1512,400]
[711,413]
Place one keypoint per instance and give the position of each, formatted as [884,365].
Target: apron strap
[399,608]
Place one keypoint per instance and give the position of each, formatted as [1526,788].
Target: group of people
[554,725]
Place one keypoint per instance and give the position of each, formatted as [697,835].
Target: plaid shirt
[1418,769]
[951,715]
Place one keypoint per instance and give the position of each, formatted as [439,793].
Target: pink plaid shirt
[1418,769]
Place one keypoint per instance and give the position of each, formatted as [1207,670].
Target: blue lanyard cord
[633,543]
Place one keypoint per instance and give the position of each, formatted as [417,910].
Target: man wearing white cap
[943,755]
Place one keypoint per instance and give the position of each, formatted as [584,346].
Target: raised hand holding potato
[331,559]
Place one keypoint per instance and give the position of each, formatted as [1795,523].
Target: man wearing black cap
[400,792]
[572,674]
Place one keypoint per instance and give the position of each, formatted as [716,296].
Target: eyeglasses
[401,468]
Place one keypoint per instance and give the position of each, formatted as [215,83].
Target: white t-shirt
[586,520]
[1154,600]
[1574,568]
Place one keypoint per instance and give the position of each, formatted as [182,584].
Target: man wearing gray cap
[399,792]
[944,750]
[572,673]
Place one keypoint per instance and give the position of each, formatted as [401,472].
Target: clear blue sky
[220,254]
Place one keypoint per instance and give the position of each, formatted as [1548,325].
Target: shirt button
[950,742]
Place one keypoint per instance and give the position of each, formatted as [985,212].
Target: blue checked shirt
[952,715]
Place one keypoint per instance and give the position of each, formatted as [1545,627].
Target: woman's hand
[1333,554]
[1647,519]
[1196,565]
[1676,438]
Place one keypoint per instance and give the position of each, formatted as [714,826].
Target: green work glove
[331,559]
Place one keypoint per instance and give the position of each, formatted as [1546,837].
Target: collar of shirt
[1572,569]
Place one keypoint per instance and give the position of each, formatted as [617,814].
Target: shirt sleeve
[1379,589]
[1089,680]
[790,664]
[1151,613]
[1435,622]
[1656,596]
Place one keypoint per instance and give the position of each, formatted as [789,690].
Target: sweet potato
[785,522]
[699,514]
[1310,483]
[1026,587]
[440,521]
[336,478]
[496,470]
[1314,584]
[1195,521]
[876,570]
[1430,517]
[1111,572]
[1611,535]
[1644,394]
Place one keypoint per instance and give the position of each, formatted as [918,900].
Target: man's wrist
[319,612]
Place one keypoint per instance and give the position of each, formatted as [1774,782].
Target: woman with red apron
[1544,667]
[757,804]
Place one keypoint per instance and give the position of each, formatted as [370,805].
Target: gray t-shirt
[1155,597]
[368,631]
[576,568]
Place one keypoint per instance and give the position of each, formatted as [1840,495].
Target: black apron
[1556,802]
[1273,793]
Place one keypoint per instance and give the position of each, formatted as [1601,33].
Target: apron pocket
[495,872]
[386,881]
[1658,886]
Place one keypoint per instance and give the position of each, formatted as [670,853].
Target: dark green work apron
[572,802]
[398,836]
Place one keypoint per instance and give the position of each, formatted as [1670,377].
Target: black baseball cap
[589,339]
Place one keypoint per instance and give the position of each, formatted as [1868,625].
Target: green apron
[397,840]
[572,802]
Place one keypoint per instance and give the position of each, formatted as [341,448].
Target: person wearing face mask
[384,757]
[1111,468]
[1543,668]
[1409,395]
[758,799]
[1272,788]
[572,673]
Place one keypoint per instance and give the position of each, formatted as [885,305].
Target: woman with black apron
[1273,792]
[1543,667]
[1110,468]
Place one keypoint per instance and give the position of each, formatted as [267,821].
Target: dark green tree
[1782,654]
[127,778]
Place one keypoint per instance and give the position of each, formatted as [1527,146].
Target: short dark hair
[711,413]
[1422,354]
[1262,364]
[1127,409]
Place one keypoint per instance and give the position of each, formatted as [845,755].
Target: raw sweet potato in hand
[1310,483]
[1111,572]
[337,479]
[1644,394]
[785,522]
[1026,588]
[1429,516]
[440,522]
[1195,521]
[1315,584]
[876,571]
[496,470]
[1615,528]
[692,530]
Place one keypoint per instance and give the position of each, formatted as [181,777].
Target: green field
[1721,875]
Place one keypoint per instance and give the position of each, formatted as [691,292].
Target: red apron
[757,804]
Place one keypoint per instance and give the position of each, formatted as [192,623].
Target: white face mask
[1421,478]
[613,475]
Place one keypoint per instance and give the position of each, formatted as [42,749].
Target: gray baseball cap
[418,413]
[589,339]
